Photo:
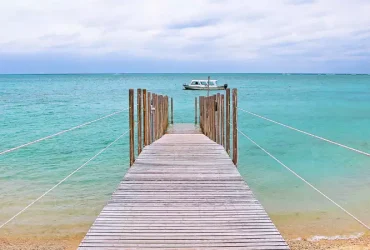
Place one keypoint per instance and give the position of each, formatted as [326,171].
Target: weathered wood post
[214,117]
[228,121]
[145,117]
[200,112]
[153,116]
[149,118]
[218,121]
[131,124]
[167,112]
[161,116]
[196,110]
[222,106]
[139,130]
[208,110]
[157,110]
[235,126]
[171,110]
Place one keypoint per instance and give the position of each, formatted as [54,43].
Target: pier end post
[131,125]
[235,126]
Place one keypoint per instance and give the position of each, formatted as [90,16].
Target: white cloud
[192,29]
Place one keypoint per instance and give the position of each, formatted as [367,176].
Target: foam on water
[336,237]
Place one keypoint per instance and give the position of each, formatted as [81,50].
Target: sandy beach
[71,242]
[362,243]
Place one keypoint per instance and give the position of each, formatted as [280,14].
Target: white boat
[204,85]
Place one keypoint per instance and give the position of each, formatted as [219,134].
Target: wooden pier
[183,192]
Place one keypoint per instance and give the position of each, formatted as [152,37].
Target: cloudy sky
[52,36]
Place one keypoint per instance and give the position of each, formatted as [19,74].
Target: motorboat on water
[204,85]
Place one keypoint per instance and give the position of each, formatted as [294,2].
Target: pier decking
[183,192]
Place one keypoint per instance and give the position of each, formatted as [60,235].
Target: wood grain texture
[171,110]
[228,121]
[222,106]
[196,110]
[183,192]
[131,124]
[145,118]
[235,127]
[139,123]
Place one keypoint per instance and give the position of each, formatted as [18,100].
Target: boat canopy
[204,82]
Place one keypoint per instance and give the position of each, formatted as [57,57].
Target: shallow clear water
[333,106]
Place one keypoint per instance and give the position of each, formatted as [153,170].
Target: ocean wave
[336,237]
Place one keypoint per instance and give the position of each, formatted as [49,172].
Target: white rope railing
[304,180]
[306,133]
[63,180]
[61,132]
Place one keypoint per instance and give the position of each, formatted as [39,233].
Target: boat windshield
[203,83]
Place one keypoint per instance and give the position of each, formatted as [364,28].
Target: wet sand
[362,243]
[300,231]
[72,242]
[40,243]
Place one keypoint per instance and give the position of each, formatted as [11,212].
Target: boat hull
[187,87]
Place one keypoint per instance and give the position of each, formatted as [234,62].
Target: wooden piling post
[228,121]
[218,121]
[149,118]
[208,110]
[145,118]
[235,126]
[160,116]
[214,117]
[131,121]
[156,116]
[222,110]
[196,110]
[167,113]
[171,110]
[200,112]
[139,130]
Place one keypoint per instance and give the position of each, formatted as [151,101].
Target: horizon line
[122,73]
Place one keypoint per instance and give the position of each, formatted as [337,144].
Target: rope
[306,133]
[59,133]
[60,182]
[305,181]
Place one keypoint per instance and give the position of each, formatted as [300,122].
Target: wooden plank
[183,192]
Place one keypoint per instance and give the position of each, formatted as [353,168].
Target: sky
[263,36]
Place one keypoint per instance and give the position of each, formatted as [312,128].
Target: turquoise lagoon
[336,107]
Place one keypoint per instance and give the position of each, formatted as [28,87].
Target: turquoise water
[333,106]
